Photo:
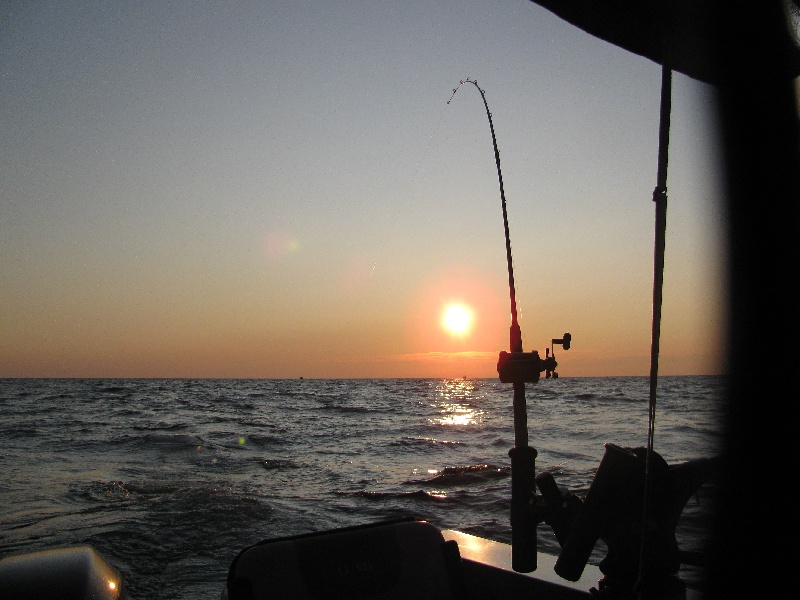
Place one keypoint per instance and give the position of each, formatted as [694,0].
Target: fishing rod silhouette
[518,368]
[610,509]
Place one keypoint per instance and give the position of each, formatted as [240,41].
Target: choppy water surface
[169,479]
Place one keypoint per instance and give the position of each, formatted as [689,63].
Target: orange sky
[284,191]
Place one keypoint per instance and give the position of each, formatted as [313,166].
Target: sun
[457,319]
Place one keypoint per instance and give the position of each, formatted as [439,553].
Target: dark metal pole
[660,199]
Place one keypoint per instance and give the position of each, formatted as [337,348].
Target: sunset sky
[280,189]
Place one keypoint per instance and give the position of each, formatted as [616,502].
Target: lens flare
[280,244]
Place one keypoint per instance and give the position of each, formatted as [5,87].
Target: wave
[344,408]
[114,389]
[423,495]
[161,426]
[169,482]
[12,432]
[272,464]
[172,442]
[465,475]
[51,397]
[416,442]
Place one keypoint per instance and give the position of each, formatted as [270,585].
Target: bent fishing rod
[518,367]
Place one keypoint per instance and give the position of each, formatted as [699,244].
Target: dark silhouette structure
[744,48]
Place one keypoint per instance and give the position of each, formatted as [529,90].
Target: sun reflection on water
[455,403]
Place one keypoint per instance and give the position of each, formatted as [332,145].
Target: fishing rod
[516,332]
[518,368]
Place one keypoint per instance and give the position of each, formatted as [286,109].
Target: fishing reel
[525,367]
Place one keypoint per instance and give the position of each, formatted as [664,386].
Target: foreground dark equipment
[745,49]
[612,512]
[393,560]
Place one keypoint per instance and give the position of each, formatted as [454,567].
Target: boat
[745,50]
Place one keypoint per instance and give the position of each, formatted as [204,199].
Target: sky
[281,189]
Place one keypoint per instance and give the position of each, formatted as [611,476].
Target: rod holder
[523,515]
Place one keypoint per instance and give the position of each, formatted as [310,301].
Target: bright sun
[457,319]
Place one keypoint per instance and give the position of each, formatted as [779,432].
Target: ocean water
[170,479]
